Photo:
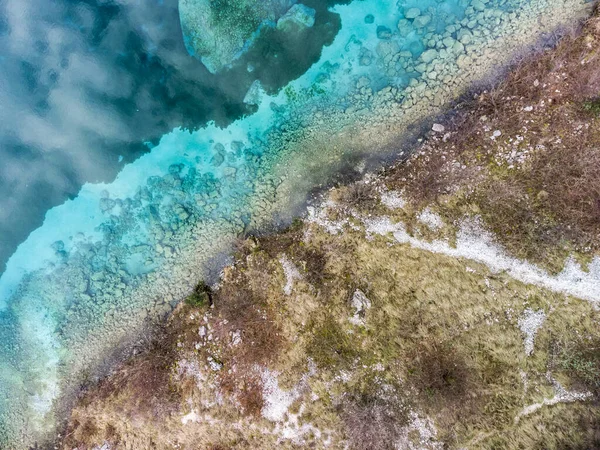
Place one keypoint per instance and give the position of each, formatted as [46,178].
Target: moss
[578,357]
[237,15]
[592,106]
[329,345]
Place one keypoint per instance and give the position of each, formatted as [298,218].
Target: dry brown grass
[244,385]
[374,420]
[589,435]
[239,309]
[242,308]
[217,447]
[142,387]
[440,374]
[313,262]
[147,377]
[551,200]
[421,302]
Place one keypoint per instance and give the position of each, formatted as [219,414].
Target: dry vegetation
[441,375]
[436,357]
[241,307]
[374,418]
[142,389]
[525,155]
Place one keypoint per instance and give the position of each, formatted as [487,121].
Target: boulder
[422,21]
[297,18]
[429,56]
[254,94]
[412,13]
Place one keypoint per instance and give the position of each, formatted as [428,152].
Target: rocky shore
[449,300]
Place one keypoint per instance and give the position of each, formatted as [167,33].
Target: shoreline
[380,295]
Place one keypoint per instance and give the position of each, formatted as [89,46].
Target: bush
[359,195]
[201,297]
[440,374]
[374,419]
[579,359]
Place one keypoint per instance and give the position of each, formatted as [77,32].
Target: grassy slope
[438,357]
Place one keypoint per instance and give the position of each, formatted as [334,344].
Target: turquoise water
[125,252]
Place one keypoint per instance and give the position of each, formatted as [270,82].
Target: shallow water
[125,251]
[87,87]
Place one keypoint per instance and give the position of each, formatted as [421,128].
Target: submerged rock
[297,18]
[219,31]
[254,94]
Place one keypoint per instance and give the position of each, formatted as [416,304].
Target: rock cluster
[219,31]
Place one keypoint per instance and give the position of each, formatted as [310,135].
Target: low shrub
[360,195]
[146,378]
[241,310]
[374,419]
[579,359]
[440,374]
[313,261]
[201,297]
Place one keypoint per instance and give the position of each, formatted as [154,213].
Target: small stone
[429,56]
[422,21]
[384,33]
[478,5]
[438,128]
[412,13]
[449,42]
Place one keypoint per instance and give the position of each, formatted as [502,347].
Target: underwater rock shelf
[219,32]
